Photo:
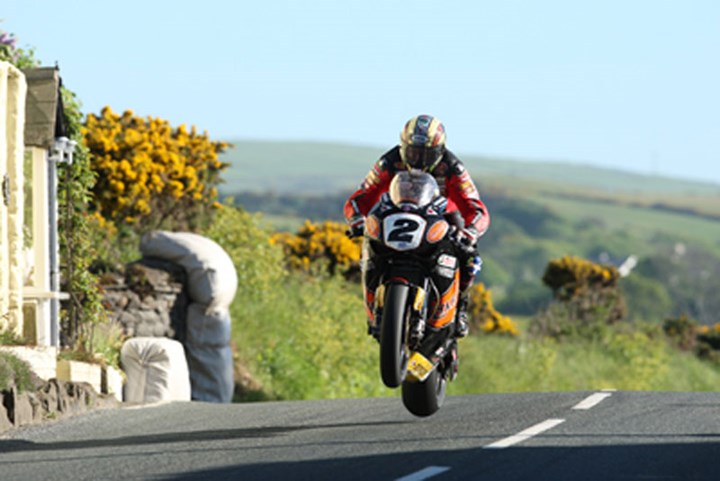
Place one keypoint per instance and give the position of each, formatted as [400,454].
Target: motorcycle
[414,307]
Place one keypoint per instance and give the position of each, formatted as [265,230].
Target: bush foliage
[150,174]
[318,247]
[587,298]
[483,315]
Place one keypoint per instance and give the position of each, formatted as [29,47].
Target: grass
[639,221]
[15,372]
[308,342]
[625,361]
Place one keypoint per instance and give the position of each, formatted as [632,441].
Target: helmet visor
[423,158]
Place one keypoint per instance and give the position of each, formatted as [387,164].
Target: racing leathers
[464,209]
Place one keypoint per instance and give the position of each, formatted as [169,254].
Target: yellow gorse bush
[149,171]
[570,277]
[587,299]
[484,316]
[324,244]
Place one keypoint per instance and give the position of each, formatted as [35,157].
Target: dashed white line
[426,473]
[592,401]
[526,434]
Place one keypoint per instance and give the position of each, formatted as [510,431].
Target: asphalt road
[546,436]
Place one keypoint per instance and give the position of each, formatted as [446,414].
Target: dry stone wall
[51,400]
[149,299]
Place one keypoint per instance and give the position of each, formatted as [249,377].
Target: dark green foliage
[314,208]
[84,309]
[493,273]
[534,219]
[682,332]
[686,334]
[691,276]
[646,298]
[525,298]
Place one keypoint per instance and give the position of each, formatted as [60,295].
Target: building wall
[13,89]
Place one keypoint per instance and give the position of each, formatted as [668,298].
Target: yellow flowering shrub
[485,317]
[708,342]
[570,277]
[149,173]
[323,246]
[587,298]
[687,335]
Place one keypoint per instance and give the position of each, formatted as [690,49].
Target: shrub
[682,332]
[259,263]
[320,247]
[708,343]
[483,315]
[587,299]
[151,175]
[571,277]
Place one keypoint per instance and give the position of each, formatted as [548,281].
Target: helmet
[422,143]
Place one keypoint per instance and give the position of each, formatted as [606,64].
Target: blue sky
[623,84]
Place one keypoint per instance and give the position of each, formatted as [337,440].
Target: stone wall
[51,400]
[149,300]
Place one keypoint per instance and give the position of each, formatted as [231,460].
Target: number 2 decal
[403,231]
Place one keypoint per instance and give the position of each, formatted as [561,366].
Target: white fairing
[403,231]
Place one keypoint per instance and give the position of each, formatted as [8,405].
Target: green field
[640,204]
[643,222]
[315,167]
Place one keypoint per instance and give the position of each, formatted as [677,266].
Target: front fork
[418,312]
[430,348]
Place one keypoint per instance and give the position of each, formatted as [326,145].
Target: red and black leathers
[455,184]
[454,181]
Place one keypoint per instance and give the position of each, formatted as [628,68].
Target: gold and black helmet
[422,143]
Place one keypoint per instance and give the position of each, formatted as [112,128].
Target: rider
[422,147]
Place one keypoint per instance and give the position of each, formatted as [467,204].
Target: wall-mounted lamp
[62,150]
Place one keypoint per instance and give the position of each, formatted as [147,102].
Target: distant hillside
[326,168]
[269,175]
[540,211]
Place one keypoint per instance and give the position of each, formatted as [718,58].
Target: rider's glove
[357,227]
[466,239]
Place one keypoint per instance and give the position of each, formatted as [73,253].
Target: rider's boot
[452,363]
[462,326]
[373,330]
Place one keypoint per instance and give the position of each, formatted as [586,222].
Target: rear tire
[393,350]
[424,398]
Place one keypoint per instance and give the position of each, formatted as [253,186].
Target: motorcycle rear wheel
[393,349]
[426,397]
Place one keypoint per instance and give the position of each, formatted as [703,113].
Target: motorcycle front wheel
[424,398]
[393,350]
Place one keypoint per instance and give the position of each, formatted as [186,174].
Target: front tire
[393,351]
[424,398]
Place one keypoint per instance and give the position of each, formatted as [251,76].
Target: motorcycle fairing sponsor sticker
[403,231]
[447,305]
[419,367]
[446,260]
[445,272]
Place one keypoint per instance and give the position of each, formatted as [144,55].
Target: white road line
[526,434]
[426,473]
[592,401]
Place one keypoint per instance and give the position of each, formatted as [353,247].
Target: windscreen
[413,187]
